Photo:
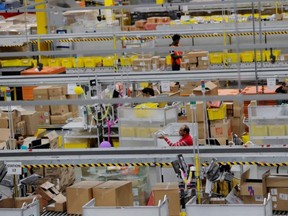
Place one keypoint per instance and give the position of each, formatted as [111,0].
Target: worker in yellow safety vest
[176,56]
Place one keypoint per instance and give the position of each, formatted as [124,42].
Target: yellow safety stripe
[152,164]
[164,37]
[12,45]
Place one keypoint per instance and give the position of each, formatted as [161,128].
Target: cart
[265,209]
[161,210]
[171,131]
[32,209]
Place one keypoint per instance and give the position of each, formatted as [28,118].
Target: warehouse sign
[14,168]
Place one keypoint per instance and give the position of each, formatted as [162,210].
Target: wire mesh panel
[268,124]
[265,209]
[26,210]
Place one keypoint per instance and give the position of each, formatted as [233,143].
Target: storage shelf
[251,118]
[274,154]
[81,136]
[77,125]
[269,137]
[137,138]
[113,136]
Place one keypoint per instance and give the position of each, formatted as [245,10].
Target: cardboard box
[199,112]
[278,180]
[44,118]
[47,191]
[15,114]
[238,126]
[4,123]
[140,23]
[171,190]
[41,93]
[193,66]
[5,134]
[60,119]
[162,63]
[73,108]
[210,89]
[184,66]
[64,89]
[203,63]
[53,139]
[229,109]
[32,121]
[188,87]
[199,54]
[220,128]
[152,20]
[253,187]
[60,203]
[79,194]
[190,58]
[21,128]
[55,91]
[113,193]
[252,199]
[238,111]
[279,198]
[142,61]
[59,109]
[201,132]
[42,108]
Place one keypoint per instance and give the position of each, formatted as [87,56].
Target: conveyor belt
[275,213]
[271,155]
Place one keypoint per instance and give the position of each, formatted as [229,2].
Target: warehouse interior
[159,108]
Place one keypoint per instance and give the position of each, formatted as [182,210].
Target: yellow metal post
[198,183]
[109,12]
[41,17]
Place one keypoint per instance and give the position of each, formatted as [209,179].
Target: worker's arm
[178,143]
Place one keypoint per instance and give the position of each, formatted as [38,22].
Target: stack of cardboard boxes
[110,193]
[148,63]
[50,195]
[252,190]
[235,112]
[149,24]
[277,186]
[55,114]
[171,190]
[195,60]
[19,125]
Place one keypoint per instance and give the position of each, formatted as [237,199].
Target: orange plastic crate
[27,92]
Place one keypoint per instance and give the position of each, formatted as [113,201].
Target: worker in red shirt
[176,56]
[186,139]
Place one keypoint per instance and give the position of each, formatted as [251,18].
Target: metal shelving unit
[74,127]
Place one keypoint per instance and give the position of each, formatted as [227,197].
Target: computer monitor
[212,141]
[182,163]
[43,146]
[35,143]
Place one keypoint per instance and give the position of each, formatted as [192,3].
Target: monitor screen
[182,163]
